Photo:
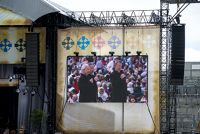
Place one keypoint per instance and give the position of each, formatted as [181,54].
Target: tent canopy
[33,9]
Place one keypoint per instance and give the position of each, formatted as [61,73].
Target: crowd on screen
[133,67]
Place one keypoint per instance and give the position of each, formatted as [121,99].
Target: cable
[38,93]
[61,113]
[156,128]
[122,117]
[180,10]
[65,98]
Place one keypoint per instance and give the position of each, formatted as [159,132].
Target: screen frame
[147,75]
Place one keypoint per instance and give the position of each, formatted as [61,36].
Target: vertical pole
[123,40]
[51,65]
[122,117]
[30,110]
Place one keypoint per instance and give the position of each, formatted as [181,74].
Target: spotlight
[33,93]
[25,91]
[10,78]
[22,80]
[18,90]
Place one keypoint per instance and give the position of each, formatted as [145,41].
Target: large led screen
[104,114]
[107,79]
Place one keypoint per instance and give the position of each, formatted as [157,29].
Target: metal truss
[172,94]
[119,18]
[180,1]
[165,124]
[168,93]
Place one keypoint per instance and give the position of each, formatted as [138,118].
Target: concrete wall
[188,99]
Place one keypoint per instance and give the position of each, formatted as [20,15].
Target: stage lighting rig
[20,82]
[155,19]
[18,90]
[33,93]
[127,20]
[10,79]
[25,92]
[95,20]
[19,77]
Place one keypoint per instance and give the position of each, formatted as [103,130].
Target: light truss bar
[180,1]
[120,18]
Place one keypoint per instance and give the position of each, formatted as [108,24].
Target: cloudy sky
[190,16]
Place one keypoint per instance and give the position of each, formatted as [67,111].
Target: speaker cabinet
[32,59]
[177,54]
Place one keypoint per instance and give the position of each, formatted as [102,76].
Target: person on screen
[110,65]
[102,95]
[118,82]
[137,92]
[86,83]
[94,80]
[130,87]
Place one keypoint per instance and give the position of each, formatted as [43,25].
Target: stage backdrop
[109,117]
[12,44]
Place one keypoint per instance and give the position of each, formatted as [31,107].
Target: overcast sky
[190,16]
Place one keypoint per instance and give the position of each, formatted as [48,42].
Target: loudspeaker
[177,54]
[32,59]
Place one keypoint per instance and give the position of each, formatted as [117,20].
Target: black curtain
[8,107]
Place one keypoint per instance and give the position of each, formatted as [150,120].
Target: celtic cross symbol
[83,43]
[20,45]
[98,42]
[68,43]
[114,42]
[5,45]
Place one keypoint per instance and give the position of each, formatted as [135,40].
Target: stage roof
[7,17]
[33,9]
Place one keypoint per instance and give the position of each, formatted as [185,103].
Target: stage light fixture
[18,90]
[14,76]
[33,93]
[10,78]
[22,79]
[25,91]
